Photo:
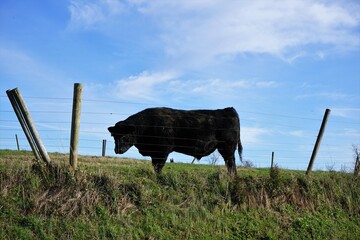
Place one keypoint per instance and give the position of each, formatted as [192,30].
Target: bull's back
[187,124]
[191,119]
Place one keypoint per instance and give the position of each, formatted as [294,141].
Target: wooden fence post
[17,142]
[272,159]
[103,147]
[43,153]
[23,124]
[75,125]
[318,141]
[27,124]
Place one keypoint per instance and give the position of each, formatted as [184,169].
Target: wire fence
[292,147]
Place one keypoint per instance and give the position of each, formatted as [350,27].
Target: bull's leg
[230,164]
[227,152]
[158,164]
[229,158]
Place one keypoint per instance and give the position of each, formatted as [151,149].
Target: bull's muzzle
[118,149]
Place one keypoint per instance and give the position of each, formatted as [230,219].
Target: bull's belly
[197,150]
[154,149]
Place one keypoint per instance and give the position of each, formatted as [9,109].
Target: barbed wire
[268,118]
[263,159]
[266,153]
[248,151]
[148,104]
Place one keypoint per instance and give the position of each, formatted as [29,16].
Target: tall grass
[111,199]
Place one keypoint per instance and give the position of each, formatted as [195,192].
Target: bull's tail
[240,149]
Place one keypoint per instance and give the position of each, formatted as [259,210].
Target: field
[113,198]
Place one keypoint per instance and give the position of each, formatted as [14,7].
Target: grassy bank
[110,198]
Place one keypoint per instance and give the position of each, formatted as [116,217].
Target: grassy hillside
[112,198]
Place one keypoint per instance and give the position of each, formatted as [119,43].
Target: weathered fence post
[103,147]
[17,142]
[272,160]
[318,141]
[75,125]
[22,122]
[43,153]
[27,124]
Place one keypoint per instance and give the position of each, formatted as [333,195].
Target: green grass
[112,198]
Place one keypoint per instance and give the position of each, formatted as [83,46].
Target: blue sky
[279,63]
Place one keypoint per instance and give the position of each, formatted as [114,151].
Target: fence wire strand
[86,143]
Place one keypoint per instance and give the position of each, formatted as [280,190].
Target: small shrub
[248,164]
[274,185]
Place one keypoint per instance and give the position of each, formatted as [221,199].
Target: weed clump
[129,201]
[53,190]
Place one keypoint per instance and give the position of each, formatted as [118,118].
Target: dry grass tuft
[53,190]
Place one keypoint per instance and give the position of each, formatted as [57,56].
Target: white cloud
[155,85]
[346,112]
[142,86]
[326,95]
[297,133]
[85,14]
[14,55]
[351,132]
[28,70]
[252,135]
[211,29]
[214,86]
[266,84]
[220,87]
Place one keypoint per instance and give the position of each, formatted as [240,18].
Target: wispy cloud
[346,112]
[153,85]
[142,86]
[86,14]
[350,132]
[253,135]
[275,27]
[208,30]
[325,95]
[28,70]
[297,133]
[219,86]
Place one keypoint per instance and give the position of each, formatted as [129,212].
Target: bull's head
[124,137]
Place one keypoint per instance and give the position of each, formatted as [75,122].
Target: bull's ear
[122,128]
[111,129]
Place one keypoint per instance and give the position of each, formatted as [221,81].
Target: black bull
[156,132]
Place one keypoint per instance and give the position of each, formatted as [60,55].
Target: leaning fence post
[22,122]
[29,127]
[43,153]
[318,141]
[75,125]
